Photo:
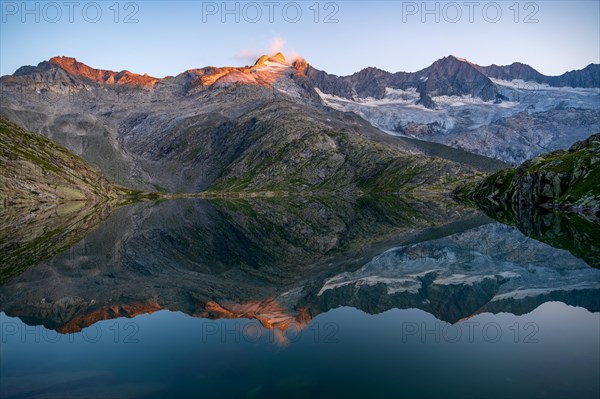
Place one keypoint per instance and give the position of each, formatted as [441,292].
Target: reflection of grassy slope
[572,232]
[32,234]
[296,233]
[49,198]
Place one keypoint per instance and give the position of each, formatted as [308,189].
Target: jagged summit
[261,61]
[279,57]
[460,59]
[63,60]
[453,59]
[457,58]
[76,68]
[264,60]
[370,70]
[300,65]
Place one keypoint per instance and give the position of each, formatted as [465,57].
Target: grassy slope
[34,168]
[295,153]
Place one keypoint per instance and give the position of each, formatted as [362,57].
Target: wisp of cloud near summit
[277,45]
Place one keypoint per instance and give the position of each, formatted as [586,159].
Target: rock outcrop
[567,180]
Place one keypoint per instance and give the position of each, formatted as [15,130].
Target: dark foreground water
[297,298]
[551,352]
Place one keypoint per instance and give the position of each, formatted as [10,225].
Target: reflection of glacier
[489,268]
[535,118]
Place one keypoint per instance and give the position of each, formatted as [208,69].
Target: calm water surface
[298,298]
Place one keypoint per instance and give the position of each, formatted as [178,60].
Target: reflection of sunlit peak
[268,312]
[79,322]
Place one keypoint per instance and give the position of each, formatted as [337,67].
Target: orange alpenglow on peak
[279,57]
[76,68]
[62,60]
[261,61]
[460,59]
[300,65]
[266,71]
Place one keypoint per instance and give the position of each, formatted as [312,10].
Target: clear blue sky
[166,38]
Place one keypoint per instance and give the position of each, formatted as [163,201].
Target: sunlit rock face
[74,68]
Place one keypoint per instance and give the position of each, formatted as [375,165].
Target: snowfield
[535,118]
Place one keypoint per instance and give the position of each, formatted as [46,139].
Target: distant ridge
[448,76]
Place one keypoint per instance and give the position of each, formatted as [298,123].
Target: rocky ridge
[448,76]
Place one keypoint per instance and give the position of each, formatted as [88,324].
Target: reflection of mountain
[489,268]
[184,253]
[283,261]
[273,240]
[572,232]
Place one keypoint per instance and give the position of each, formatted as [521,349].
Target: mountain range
[260,127]
[286,126]
[449,76]
[511,113]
